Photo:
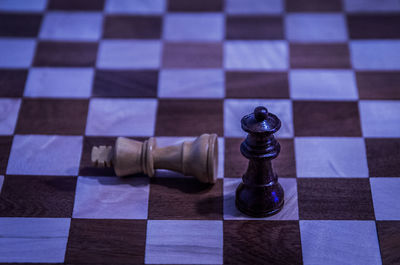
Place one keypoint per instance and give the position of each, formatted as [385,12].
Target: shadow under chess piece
[260,194]
[198,158]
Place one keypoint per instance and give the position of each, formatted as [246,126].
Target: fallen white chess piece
[198,158]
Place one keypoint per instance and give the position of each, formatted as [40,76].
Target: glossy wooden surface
[260,194]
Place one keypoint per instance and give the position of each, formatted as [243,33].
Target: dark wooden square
[135,27]
[313,6]
[94,241]
[373,26]
[335,199]
[52,116]
[335,55]
[254,28]
[12,82]
[20,25]
[383,157]
[378,84]
[262,242]
[192,55]
[37,196]
[125,83]
[195,5]
[66,54]
[184,198]
[5,148]
[389,241]
[86,5]
[189,117]
[236,164]
[326,118]
[256,84]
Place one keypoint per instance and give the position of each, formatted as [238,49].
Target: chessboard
[75,74]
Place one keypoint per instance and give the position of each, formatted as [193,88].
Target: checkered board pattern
[79,73]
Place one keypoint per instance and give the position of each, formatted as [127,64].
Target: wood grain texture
[191,83]
[111,198]
[389,241]
[12,82]
[254,28]
[40,155]
[52,116]
[20,25]
[332,242]
[236,165]
[378,84]
[74,5]
[73,54]
[184,242]
[195,5]
[383,157]
[319,56]
[256,84]
[334,199]
[321,118]
[33,240]
[192,55]
[374,26]
[30,263]
[285,163]
[331,157]
[120,83]
[106,241]
[313,6]
[132,27]
[189,117]
[174,197]
[262,242]
[5,147]
[37,196]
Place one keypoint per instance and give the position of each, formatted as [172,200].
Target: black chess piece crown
[260,194]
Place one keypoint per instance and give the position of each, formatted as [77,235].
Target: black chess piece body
[260,193]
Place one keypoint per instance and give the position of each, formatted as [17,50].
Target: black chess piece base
[259,201]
